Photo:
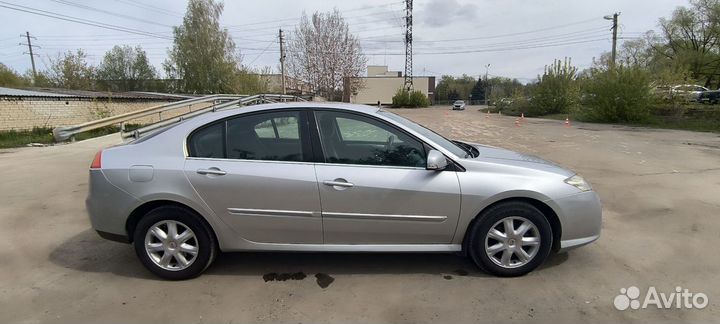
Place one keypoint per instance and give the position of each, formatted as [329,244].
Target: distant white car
[690,92]
[459,105]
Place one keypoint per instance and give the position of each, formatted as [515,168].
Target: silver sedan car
[331,177]
[458,105]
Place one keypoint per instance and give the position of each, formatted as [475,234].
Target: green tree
[621,94]
[71,70]
[410,99]
[451,88]
[203,58]
[690,37]
[478,91]
[453,95]
[42,78]
[443,87]
[501,87]
[557,90]
[10,78]
[251,82]
[637,53]
[124,68]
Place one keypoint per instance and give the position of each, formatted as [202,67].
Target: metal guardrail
[62,133]
[246,101]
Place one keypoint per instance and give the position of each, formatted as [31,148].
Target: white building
[381,85]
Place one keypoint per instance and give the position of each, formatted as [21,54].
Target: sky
[517,38]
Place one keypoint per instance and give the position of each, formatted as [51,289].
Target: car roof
[208,117]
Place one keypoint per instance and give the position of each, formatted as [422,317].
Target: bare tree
[323,52]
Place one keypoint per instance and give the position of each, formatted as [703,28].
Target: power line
[513,48]
[263,52]
[483,50]
[579,35]
[237,29]
[114,14]
[49,14]
[297,18]
[499,35]
[151,8]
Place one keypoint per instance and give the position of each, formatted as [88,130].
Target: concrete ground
[661,228]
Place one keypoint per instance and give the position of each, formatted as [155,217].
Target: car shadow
[87,252]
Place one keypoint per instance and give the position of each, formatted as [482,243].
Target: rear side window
[208,142]
[269,136]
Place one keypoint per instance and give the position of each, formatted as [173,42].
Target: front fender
[473,206]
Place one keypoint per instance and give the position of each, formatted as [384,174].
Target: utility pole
[487,85]
[282,59]
[30,51]
[408,45]
[614,28]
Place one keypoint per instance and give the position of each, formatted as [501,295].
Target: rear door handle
[213,171]
[338,183]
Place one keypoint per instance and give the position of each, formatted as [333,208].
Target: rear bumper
[114,237]
[108,207]
[581,219]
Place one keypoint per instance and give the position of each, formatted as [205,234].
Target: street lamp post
[614,18]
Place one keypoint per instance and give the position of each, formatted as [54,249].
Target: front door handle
[338,184]
[213,171]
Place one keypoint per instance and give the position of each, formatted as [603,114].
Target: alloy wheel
[171,245]
[512,242]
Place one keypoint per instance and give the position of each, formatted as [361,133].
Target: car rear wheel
[173,243]
[510,239]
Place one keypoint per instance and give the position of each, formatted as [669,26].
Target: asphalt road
[661,228]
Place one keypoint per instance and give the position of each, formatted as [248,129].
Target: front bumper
[580,217]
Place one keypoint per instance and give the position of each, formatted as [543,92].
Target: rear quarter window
[208,142]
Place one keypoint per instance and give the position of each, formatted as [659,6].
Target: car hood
[508,157]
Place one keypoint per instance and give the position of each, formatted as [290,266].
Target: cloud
[439,13]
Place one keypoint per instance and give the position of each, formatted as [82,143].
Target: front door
[252,171]
[374,187]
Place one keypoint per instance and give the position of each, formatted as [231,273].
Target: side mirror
[436,161]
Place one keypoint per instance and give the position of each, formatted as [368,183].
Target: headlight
[578,182]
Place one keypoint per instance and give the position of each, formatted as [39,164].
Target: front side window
[353,139]
[431,135]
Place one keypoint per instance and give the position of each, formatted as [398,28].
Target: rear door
[254,172]
[374,186]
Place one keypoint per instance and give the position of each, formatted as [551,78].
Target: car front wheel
[173,243]
[510,239]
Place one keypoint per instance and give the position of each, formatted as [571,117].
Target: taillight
[97,161]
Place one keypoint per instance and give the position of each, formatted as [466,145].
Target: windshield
[435,137]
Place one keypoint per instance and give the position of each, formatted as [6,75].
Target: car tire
[502,256]
[184,256]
